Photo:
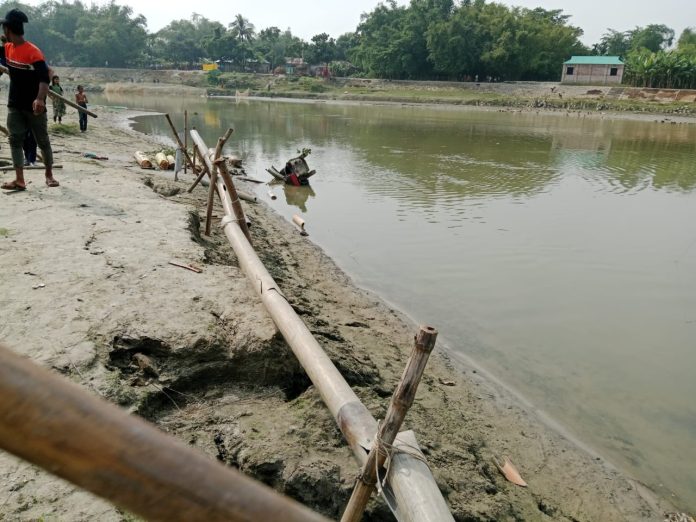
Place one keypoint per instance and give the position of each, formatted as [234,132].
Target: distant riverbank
[514,95]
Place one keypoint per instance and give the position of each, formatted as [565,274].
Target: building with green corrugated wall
[593,70]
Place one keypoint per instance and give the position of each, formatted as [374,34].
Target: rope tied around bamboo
[383,448]
[387,451]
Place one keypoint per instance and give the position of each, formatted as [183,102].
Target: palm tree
[243,29]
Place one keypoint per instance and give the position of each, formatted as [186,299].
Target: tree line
[424,40]
[651,60]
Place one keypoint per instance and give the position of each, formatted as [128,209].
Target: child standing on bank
[81,100]
[58,105]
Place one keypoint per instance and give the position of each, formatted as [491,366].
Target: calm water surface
[557,251]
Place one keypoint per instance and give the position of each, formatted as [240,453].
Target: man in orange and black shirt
[26,104]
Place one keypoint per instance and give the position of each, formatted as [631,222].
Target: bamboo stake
[182,146]
[234,196]
[185,139]
[194,159]
[57,425]
[204,170]
[211,189]
[401,401]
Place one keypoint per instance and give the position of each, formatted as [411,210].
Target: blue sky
[309,17]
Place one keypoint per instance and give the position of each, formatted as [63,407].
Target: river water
[557,251]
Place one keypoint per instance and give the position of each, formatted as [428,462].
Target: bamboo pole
[418,499]
[193,166]
[57,425]
[185,139]
[203,153]
[55,95]
[246,197]
[142,159]
[211,189]
[401,401]
[181,145]
[30,167]
[162,161]
[71,103]
[204,170]
[234,196]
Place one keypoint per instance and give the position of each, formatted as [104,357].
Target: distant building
[593,70]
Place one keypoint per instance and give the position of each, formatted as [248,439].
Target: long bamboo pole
[211,189]
[30,167]
[419,499]
[57,425]
[234,197]
[402,400]
[71,103]
[185,139]
[52,94]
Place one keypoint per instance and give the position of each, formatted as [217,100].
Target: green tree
[321,50]
[613,43]
[345,45]
[110,34]
[654,37]
[687,40]
[377,52]
[243,29]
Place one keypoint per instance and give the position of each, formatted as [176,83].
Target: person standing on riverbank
[81,100]
[58,104]
[26,103]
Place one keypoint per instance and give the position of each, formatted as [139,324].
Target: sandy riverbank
[228,384]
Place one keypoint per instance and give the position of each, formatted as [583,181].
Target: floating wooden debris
[246,197]
[300,224]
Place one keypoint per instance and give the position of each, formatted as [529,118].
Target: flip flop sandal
[52,183]
[12,186]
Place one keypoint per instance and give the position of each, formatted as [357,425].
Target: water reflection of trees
[633,155]
[427,154]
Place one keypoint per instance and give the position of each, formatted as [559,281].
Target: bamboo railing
[415,499]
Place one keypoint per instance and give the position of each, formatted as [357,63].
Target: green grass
[4,232]
[65,129]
